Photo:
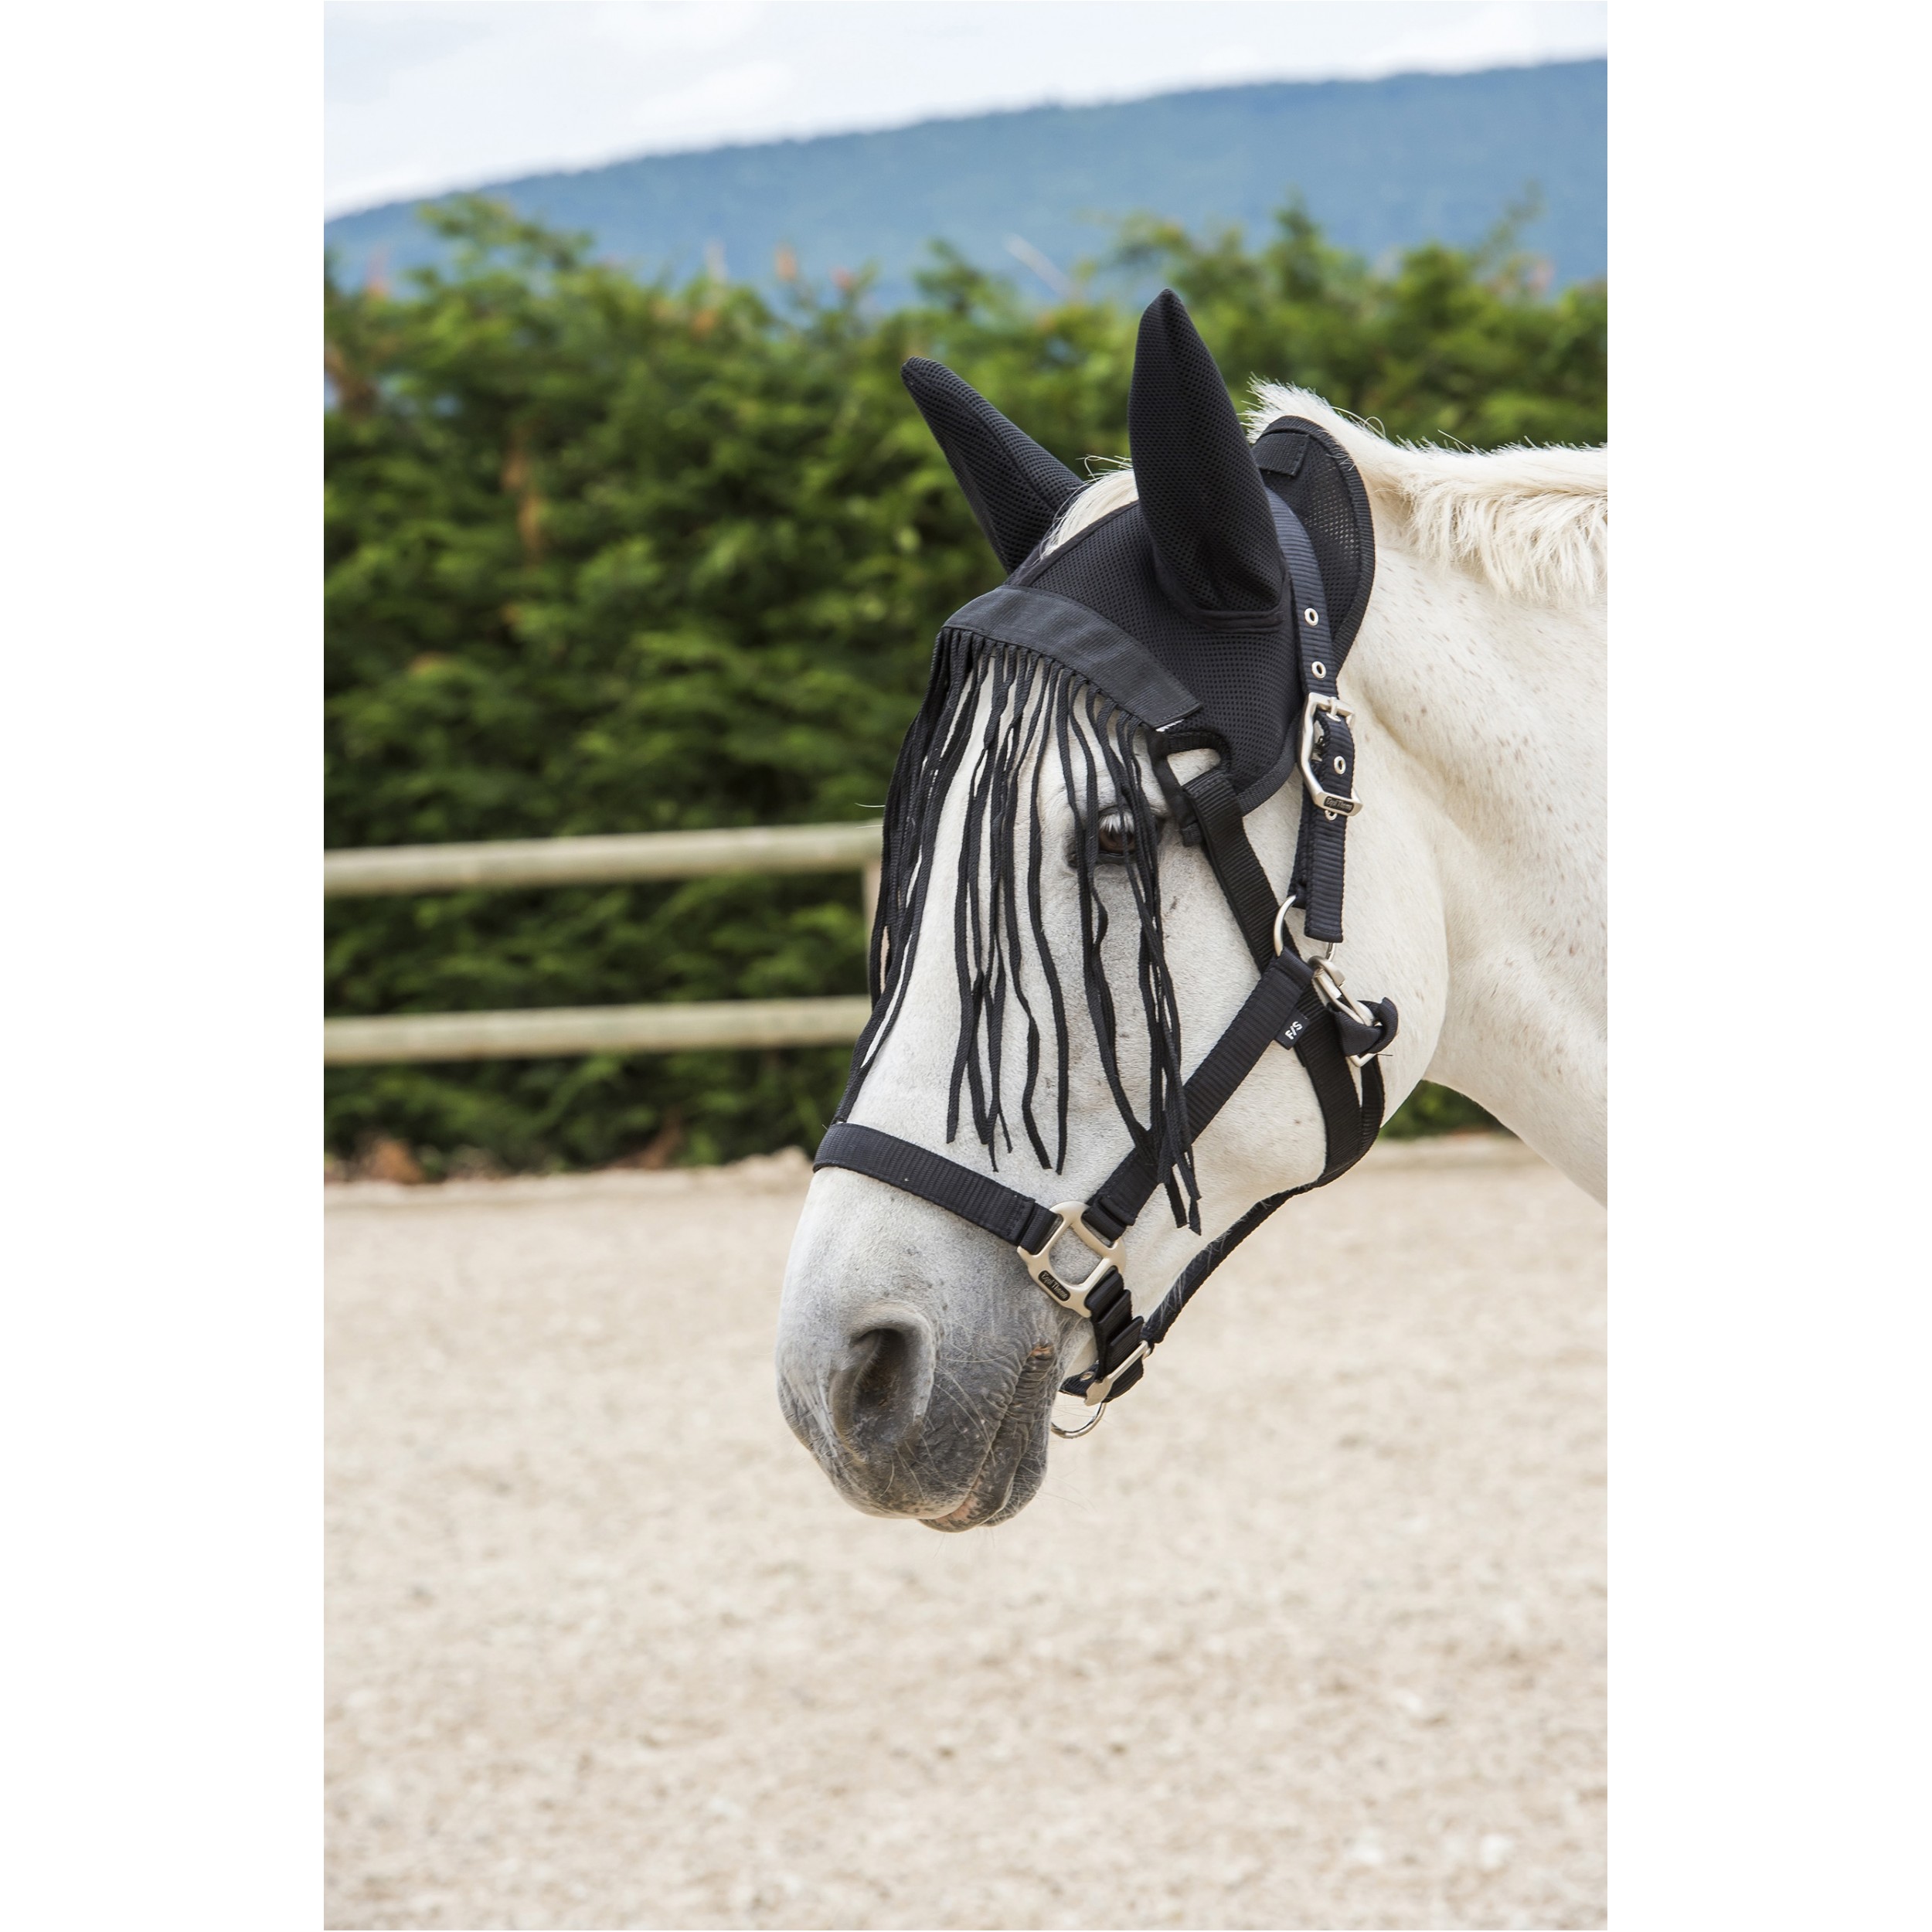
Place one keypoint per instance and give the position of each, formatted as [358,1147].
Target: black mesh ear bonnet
[1193,569]
[1167,623]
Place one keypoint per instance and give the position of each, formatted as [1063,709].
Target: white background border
[161,1401]
[1769,1286]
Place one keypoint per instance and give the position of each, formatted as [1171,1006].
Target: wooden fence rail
[574,862]
[544,1032]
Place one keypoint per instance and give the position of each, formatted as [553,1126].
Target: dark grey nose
[882,1382]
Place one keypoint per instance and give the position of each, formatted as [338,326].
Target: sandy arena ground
[1309,1633]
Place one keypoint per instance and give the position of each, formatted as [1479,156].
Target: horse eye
[1116,832]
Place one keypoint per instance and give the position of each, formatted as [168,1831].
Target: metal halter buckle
[1331,802]
[1327,983]
[1101,1389]
[1069,1217]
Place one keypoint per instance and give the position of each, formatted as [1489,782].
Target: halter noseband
[1299,1003]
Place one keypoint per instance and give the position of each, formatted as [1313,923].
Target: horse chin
[1015,1462]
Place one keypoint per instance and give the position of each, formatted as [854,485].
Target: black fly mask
[1181,621]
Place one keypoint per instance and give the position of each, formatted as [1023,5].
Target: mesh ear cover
[1317,480]
[1015,489]
[1206,506]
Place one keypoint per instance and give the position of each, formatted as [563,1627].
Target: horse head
[1053,951]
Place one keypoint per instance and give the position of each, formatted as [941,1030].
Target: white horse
[915,1357]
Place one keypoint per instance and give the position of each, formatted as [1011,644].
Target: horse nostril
[880,1378]
[878,1389]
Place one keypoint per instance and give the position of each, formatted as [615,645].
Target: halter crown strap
[1327,749]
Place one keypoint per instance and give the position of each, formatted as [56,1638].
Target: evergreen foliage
[611,555]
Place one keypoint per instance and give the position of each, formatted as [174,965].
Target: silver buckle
[1069,1217]
[1099,1392]
[1327,983]
[1332,803]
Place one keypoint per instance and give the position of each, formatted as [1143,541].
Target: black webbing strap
[1321,1048]
[1350,1127]
[1377,1038]
[1320,1052]
[1285,1006]
[1225,840]
[989,1204]
[1320,846]
[1283,998]
[1284,992]
[1317,879]
[1116,1334]
[1154,1327]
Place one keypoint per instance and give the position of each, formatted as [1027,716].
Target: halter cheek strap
[1299,1004]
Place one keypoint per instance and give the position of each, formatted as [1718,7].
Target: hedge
[606,555]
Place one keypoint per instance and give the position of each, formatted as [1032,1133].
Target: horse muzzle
[926,1394]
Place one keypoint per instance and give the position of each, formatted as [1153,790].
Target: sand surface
[1310,1632]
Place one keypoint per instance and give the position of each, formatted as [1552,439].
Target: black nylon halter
[1296,1002]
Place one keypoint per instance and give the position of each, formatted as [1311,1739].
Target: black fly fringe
[992,717]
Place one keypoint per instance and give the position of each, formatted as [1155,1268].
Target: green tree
[1451,346]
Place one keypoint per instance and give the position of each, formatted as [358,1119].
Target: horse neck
[1495,709]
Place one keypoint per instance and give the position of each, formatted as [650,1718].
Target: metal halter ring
[1280,920]
[1333,803]
[1086,1428]
[1280,937]
[1101,1393]
[1070,1218]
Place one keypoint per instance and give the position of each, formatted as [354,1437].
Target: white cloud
[422,97]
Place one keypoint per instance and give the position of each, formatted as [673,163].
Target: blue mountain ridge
[1383,164]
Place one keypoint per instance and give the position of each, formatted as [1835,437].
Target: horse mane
[1532,521]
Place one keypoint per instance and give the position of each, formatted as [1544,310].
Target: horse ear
[1202,498]
[1015,489]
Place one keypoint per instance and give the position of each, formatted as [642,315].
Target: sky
[427,95]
